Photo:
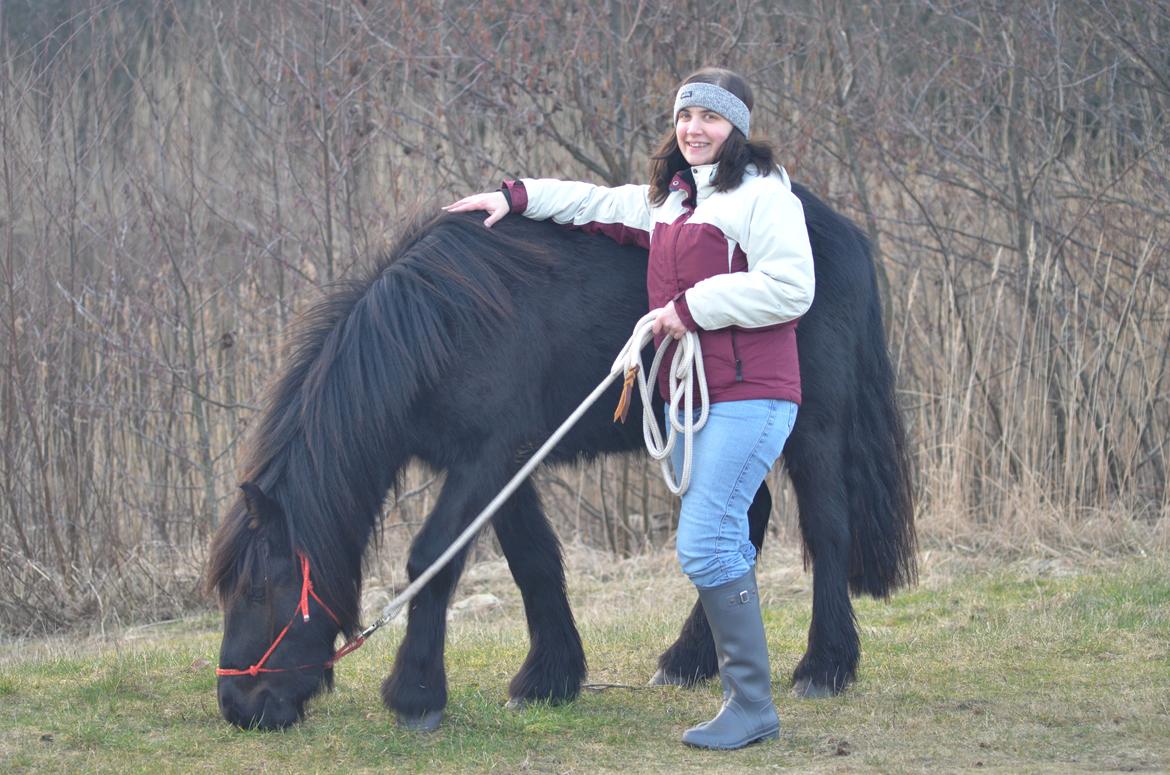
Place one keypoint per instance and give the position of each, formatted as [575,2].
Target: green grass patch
[988,672]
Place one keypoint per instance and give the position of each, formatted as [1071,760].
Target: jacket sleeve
[779,283]
[621,213]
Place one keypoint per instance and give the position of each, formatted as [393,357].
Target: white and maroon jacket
[737,265]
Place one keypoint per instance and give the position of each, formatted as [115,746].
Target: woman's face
[701,134]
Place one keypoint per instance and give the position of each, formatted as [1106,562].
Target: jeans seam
[739,480]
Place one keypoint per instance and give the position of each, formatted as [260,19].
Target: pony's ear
[261,508]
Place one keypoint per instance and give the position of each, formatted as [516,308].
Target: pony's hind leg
[691,658]
[416,690]
[555,666]
[816,465]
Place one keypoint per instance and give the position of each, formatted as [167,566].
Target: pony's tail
[882,555]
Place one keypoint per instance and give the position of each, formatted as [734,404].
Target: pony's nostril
[233,713]
[275,713]
[228,705]
[239,709]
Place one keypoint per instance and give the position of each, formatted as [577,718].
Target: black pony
[464,349]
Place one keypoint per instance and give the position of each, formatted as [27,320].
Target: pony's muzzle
[259,708]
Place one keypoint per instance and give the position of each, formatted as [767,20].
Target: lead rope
[686,370]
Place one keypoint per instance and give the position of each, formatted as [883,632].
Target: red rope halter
[303,609]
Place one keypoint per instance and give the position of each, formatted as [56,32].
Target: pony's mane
[329,440]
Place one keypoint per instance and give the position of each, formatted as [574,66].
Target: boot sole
[771,734]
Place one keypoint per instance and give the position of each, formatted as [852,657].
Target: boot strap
[743,597]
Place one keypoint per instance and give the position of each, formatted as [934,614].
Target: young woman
[730,259]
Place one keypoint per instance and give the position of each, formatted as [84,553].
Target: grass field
[1027,666]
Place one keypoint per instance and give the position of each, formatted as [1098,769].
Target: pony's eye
[257,576]
[257,590]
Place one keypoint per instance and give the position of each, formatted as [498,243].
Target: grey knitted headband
[716,98]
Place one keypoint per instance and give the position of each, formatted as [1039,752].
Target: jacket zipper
[735,355]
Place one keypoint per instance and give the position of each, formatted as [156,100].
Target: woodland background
[179,177]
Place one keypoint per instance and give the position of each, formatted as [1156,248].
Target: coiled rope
[686,371]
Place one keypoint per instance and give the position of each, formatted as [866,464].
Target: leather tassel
[623,407]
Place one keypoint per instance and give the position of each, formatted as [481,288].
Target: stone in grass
[476,605]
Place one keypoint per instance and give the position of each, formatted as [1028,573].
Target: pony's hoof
[807,689]
[663,678]
[427,722]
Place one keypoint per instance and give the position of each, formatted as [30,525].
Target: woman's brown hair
[735,155]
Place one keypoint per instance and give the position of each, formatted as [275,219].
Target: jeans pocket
[792,410]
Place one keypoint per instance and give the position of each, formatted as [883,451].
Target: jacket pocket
[735,357]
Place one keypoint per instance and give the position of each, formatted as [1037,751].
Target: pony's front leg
[416,690]
[691,658]
[555,666]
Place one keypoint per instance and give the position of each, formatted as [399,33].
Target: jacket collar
[704,174]
[695,183]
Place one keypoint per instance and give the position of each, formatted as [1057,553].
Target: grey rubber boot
[748,715]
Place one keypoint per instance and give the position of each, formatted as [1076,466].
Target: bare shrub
[180,177]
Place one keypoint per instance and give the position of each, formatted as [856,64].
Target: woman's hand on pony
[493,202]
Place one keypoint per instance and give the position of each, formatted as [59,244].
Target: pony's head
[272,659]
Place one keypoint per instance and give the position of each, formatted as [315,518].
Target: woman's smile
[701,134]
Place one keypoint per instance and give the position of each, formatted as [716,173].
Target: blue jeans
[732,454]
